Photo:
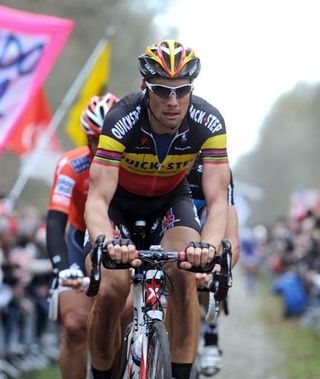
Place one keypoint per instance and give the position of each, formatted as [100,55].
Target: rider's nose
[172,98]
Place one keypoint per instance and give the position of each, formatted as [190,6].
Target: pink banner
[29,46]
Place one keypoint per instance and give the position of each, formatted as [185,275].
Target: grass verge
[52,372]
[299,344]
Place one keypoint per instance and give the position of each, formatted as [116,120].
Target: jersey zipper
[155,145]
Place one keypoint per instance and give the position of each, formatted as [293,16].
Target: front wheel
[158,362]
[125,352]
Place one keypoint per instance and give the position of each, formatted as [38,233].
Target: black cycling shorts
[160,213]
[75,241]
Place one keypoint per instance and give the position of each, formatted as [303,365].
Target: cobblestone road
[248,350]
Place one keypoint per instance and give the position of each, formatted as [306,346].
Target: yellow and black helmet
[169,59]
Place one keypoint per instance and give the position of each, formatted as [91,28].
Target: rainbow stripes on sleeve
[109,151]
[214,150]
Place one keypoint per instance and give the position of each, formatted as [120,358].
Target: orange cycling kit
[67,199]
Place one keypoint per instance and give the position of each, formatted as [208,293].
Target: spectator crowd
[28,339]
[289,253]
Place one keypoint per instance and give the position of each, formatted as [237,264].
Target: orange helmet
[93,116]
[169,59]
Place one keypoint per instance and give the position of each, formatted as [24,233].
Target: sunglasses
[164,92]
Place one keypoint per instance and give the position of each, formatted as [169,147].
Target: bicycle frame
[148,297]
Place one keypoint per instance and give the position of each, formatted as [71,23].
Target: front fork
[147,299]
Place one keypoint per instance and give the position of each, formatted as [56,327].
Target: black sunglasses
[165,91]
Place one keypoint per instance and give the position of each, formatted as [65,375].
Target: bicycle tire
[195,369]
[158,354]
[124,352]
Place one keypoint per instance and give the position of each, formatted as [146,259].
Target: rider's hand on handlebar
[122,251]
[71,277]
[203,279]
[199,254]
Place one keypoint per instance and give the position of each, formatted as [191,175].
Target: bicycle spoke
[158,359]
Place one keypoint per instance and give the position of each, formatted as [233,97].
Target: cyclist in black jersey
[210,359]
[148,141]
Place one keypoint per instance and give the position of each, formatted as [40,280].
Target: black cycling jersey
[128,141]
[195,182]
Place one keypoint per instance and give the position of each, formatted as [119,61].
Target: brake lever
[95,274]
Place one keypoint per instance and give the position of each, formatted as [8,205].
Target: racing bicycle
[145,348]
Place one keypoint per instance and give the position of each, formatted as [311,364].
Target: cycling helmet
[93,116]
[169,59]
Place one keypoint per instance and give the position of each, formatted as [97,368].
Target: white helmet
[93,116]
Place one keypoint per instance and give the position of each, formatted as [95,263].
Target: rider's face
[169,107]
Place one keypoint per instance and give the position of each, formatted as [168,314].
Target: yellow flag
[95,83]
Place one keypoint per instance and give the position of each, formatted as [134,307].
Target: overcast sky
[252,51]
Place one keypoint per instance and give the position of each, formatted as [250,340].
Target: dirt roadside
[248,350]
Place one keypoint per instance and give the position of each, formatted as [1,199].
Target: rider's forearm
[56,244]
[235,253]
[215,180]
[233,233]
[96,218]
[214,228]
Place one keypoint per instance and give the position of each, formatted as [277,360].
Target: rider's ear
[143,85]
